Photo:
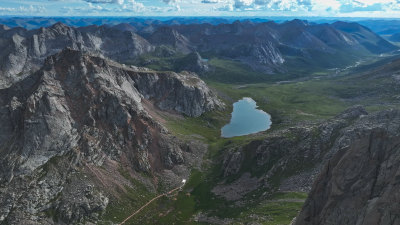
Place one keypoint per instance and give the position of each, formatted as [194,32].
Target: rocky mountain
[251,44]
[359,184]
[267,47]
[24,51]
[125,27]
[365,37]
[194,62]
[72,131]
[137,22]
[171,37]
[270,46]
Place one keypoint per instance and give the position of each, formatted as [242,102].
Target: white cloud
[210,1]
[275,5]
[120,2]
[134,6]
[23,9]
[243,3]
[208,7]
[226,7]
[171,1]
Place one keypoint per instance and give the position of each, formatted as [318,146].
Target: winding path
[152,200]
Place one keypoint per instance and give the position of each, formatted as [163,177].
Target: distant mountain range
[379,26]
[268,47]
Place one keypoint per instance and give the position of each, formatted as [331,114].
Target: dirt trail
[149,202]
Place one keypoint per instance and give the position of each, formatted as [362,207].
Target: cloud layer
[203,7]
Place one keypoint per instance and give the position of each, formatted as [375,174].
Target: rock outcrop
[191,95]
[360,183]
[24,51]
[171,37]
[195,63]
[79,113]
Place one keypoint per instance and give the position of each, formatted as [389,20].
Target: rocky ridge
[24,51]
[80,113]
[359,184]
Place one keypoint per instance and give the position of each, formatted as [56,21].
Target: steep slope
[68,131]
[368,39]
[294,33]
[193,62]
[24,51]
[125,27]
[272,47]
[332,37]
[254,45]
[359,185]
[171,37]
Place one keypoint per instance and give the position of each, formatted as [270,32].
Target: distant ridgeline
[291,47]
[382,26]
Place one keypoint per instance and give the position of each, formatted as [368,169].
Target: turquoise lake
[246,119]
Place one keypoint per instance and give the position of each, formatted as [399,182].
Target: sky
[244,8]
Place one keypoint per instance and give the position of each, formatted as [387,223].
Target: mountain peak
[348,26]
[59,25]
[4,27]
[125,27]
[298,22]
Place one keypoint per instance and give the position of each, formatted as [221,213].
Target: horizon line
[261,17]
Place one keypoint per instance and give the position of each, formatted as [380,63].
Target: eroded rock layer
[81,113]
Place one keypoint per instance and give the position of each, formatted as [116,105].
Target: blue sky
[293,8]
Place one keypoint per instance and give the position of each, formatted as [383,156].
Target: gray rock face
[24,51]
[77,113]
[192,97]
[171,37]
[359,185]
[194,62]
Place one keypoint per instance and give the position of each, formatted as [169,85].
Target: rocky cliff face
[195,63]
[80,113]
[267,46]
[24,51]
[359,184]
[171,37]
[191,96]
[350,163]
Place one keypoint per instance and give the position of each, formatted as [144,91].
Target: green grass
[289,195]
[278,210]
[289,102]
[272,213]
[131,199]
[229,71]
[207,125]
